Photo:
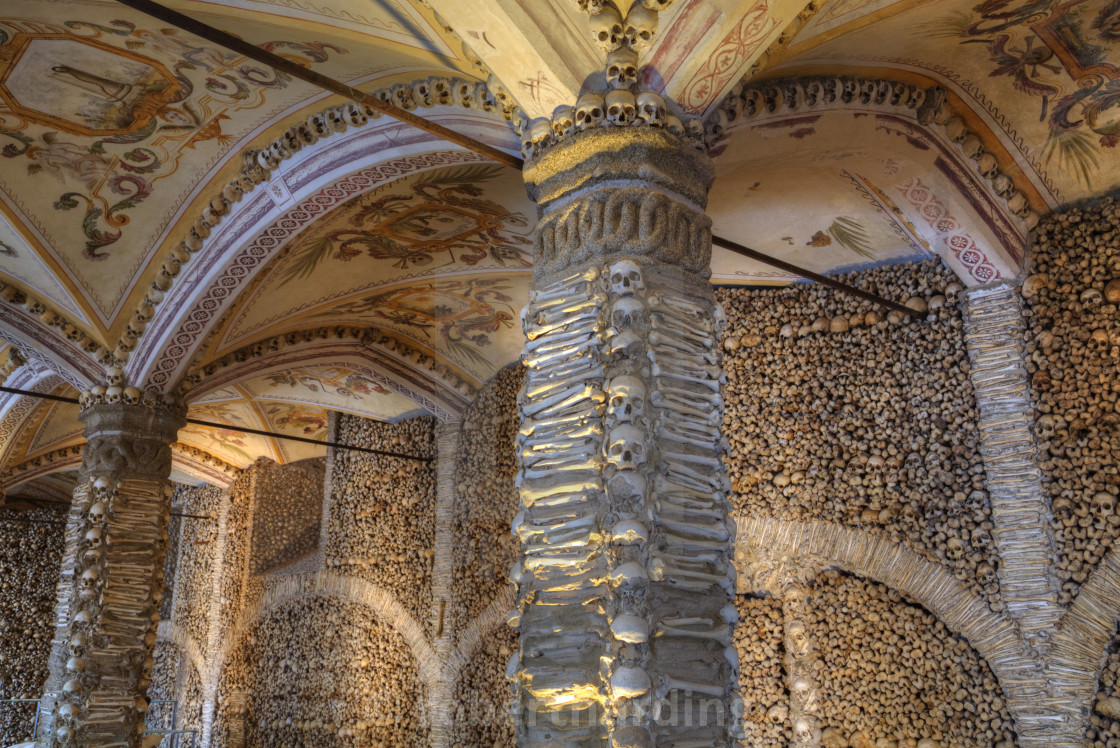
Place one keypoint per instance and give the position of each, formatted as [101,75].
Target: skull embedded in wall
[627,398]
[626,278]
[563,121]
[803,731]
[1098,341]
[777,714]
[622,108]
[641,27]
[606,29]
[1045,427]
[622,68]
[1103,506]
[954,549]
[97,512]
[627,447]
[980,538]
[651,108]
[985,574]
[798,638]
[627,313]
[589,111]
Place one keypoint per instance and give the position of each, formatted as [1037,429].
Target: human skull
[97,512]
[131,396]
[93,537]
[627,398]
[540,135]
[589,111]
[641,27]
[606,29]
[1045,427]
[88,583]
[985,574]
[622,108]
[1062,508]
[627,447]
[627,312]
[980,538]
[563,120]
[113,395]
[1091,298]
[1098,341]
[651,108]
[1112,291]
[626,278]
[954,549]
[803,731]
[622,68]
[776,715]
[798,638]
[1103,506]
[78,644]
[114,376]
[674,125]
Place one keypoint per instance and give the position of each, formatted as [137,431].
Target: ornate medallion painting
[96,112]
[81,86]
[1038,70]
[366,263]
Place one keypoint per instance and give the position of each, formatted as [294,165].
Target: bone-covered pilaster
[112,572]
[624,579]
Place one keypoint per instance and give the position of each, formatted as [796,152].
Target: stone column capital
[129,439]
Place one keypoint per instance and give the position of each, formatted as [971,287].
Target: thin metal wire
[259,432]
[288,67]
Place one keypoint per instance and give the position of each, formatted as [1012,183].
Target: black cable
[258,432]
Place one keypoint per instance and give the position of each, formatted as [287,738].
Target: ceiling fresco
[116,131]
[1043,74]
[108,120]
[460,219]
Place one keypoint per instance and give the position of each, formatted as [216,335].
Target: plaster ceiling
[116,133]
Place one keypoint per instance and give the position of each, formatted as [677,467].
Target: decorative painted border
[224,288]
[964,248]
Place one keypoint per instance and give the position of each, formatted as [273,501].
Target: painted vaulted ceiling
[179,209]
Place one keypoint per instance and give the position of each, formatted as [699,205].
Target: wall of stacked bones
[834,413]
[1072,301]
[31,543]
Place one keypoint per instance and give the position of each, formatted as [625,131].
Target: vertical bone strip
[112,577]
[624,578]
[993,319]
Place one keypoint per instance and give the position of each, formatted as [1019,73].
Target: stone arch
[351,589]
[414,374]
[946,180]
[994,636]
[171,632]
[227,246]
[1078,650]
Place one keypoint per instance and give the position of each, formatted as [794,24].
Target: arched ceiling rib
[117,134]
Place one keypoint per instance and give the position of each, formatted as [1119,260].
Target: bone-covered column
[624,579]
[112,572]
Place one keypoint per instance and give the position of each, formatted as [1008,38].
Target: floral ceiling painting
[108,121]
[242,449]
[333,387]
[1040,70]
[459,219]
[59,427]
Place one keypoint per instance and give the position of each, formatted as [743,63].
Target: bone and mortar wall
[834,414]
[1072,341]
[31,543]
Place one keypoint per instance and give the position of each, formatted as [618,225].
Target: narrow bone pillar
[625,579]
[112,576]
[993,319]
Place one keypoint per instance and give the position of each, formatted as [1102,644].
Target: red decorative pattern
[960,243]
[260,249]
[726,63]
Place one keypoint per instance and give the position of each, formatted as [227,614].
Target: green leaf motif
[851,235]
